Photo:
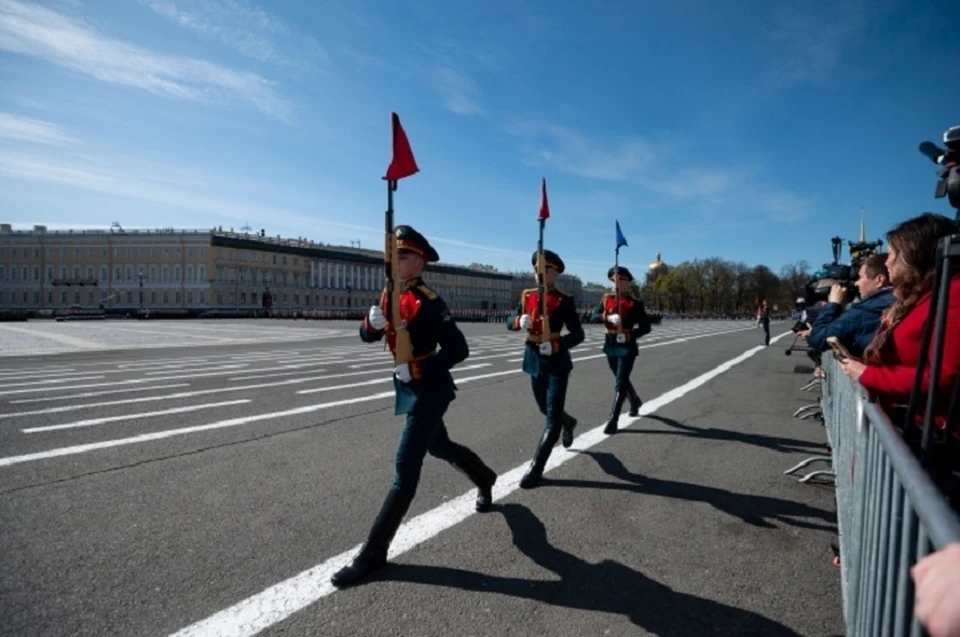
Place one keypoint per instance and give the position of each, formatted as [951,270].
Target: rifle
[401,165]
[542,266]
[397,328]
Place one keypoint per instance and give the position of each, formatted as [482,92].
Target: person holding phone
[624,320]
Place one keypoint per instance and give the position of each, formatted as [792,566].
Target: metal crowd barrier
[889,512]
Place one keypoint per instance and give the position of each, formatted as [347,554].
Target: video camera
[818,288]
[949,160]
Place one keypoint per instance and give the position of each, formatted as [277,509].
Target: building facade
[209,269]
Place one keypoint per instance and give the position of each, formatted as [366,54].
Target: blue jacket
[855,327]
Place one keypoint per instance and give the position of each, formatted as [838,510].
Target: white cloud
[808,45]
[249,30]
[32,130]
[460,93]
[167,189]
[663,167]
[65,41]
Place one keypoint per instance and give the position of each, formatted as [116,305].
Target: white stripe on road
[91,394]
[280,601]
[219,390]
[101,421]
[170,433]
[676,340]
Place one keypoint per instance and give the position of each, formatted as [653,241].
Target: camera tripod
[934,328]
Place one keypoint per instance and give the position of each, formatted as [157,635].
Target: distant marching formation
[426,343]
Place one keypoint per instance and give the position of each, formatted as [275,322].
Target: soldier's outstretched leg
[618,397]
[635,402]
[420,429]
[468,463]
[533,475]
[569,424]
[373,555]
[551,392]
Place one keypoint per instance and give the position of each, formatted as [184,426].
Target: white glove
[546,349]
[525,322]
[376,319]
[402,372]
[613,319]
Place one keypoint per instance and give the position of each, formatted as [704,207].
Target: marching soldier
[424,390]
[623,325]
[548,363]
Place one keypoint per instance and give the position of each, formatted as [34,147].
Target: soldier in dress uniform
[424,389]
[548,363]
[623,326]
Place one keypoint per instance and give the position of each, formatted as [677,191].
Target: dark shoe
[534,474]
[566,435]
[618,399]
[481,475]
[373,555]
[531,478]
[635,402]
[364,564]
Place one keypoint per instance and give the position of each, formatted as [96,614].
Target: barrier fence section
[889,512]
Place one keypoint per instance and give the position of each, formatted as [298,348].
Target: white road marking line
[170,433]
[282,600]
[383,380]
[661,344]
[51,381]
[91,394]
[100,421]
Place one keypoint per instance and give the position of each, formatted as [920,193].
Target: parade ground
[207,477]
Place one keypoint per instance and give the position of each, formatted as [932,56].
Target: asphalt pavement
[206,478]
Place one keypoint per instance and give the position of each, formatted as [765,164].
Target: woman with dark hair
[891,360]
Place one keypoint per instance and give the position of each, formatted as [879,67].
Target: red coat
[891,381]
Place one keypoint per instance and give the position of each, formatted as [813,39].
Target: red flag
[544,204]
[403,164]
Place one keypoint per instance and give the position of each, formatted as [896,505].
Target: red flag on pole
[544,204]
[402,164]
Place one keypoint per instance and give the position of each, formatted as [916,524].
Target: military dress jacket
[437,342]
[634,323]
[561,312]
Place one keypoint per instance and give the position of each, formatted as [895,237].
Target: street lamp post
[141,290]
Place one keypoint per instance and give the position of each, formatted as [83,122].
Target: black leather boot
[533,475]
[481,475]
[618,398]
[373,555]
[566,435]
[635,402]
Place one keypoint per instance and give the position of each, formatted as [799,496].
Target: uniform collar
[412,283]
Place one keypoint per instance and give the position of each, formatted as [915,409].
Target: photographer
[891,361]
[855,326]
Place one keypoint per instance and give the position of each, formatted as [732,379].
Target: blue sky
[751,131]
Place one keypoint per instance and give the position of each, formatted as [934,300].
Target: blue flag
[621,240]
